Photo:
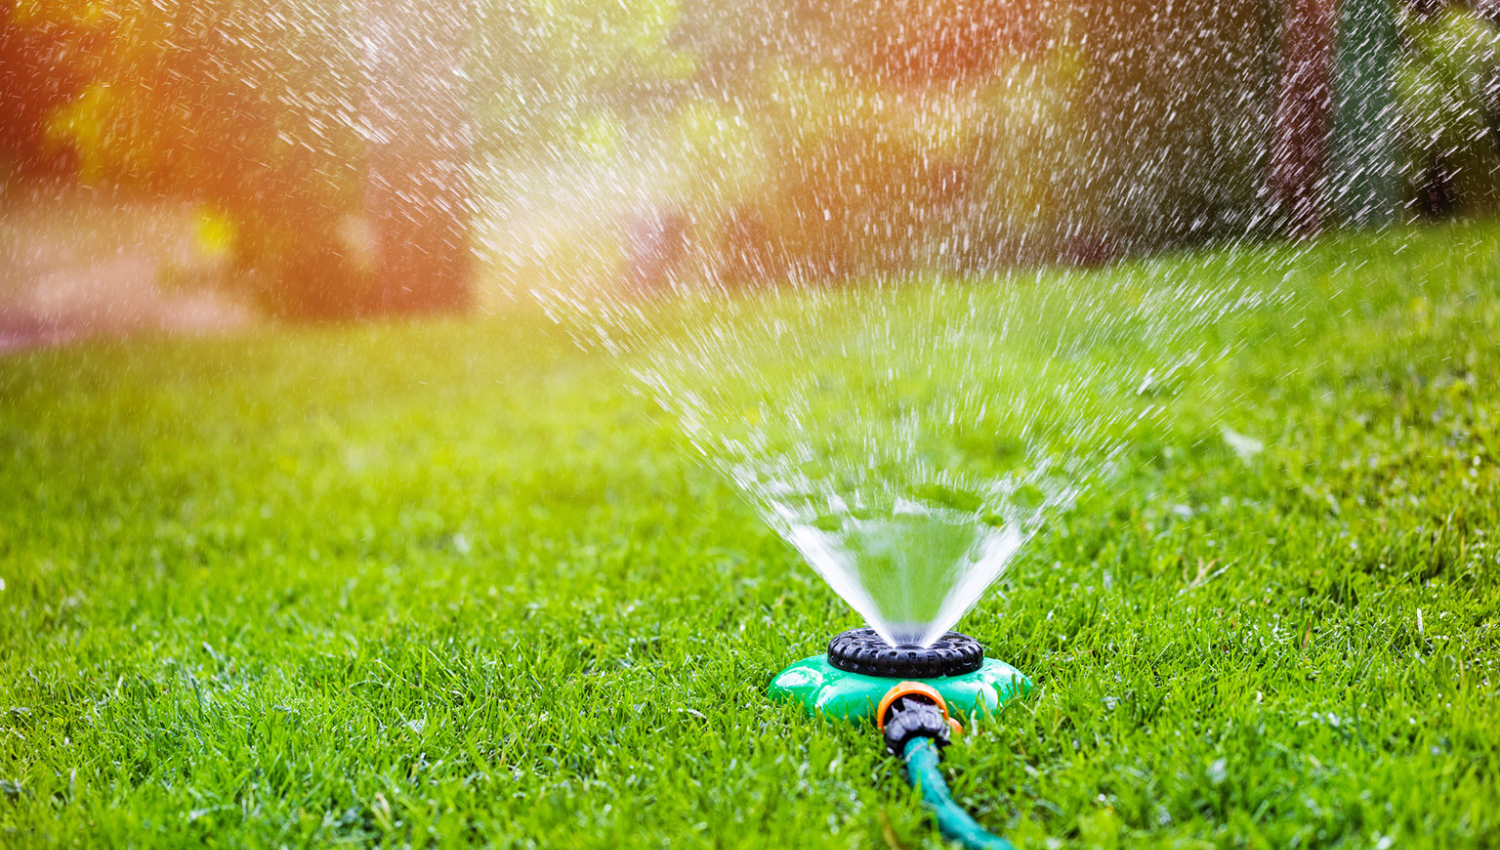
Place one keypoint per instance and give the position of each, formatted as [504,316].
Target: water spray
[910,693]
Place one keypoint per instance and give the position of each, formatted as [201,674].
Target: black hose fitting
[914,716]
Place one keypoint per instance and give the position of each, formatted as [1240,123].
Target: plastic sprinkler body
[850,681]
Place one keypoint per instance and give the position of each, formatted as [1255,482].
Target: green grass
[453,584]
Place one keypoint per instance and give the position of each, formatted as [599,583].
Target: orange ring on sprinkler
[903,689]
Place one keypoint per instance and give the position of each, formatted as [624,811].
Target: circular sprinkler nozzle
[863,651]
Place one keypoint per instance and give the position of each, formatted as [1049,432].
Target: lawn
[453,583]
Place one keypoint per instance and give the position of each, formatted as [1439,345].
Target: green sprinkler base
[824,689]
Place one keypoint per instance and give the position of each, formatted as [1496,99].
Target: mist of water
[908,437]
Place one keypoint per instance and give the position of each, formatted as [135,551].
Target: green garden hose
[913,719]
[922,771]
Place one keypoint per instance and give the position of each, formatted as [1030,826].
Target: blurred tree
[919,43]
[873,123]
[39,72]
[1035,155]
[588,92]
[551,71]
[248,108]
[1176,102]
[1333,151]
[969,135]
[261,111]
[419,183]
[1299,145]
[1363,171]
[1449,108]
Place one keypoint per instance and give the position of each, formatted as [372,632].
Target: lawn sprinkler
[911,693]
[849,682]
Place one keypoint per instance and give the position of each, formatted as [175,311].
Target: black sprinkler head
[864,651]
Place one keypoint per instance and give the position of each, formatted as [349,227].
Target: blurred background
[200,164]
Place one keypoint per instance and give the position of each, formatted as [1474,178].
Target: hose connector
[912,710]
